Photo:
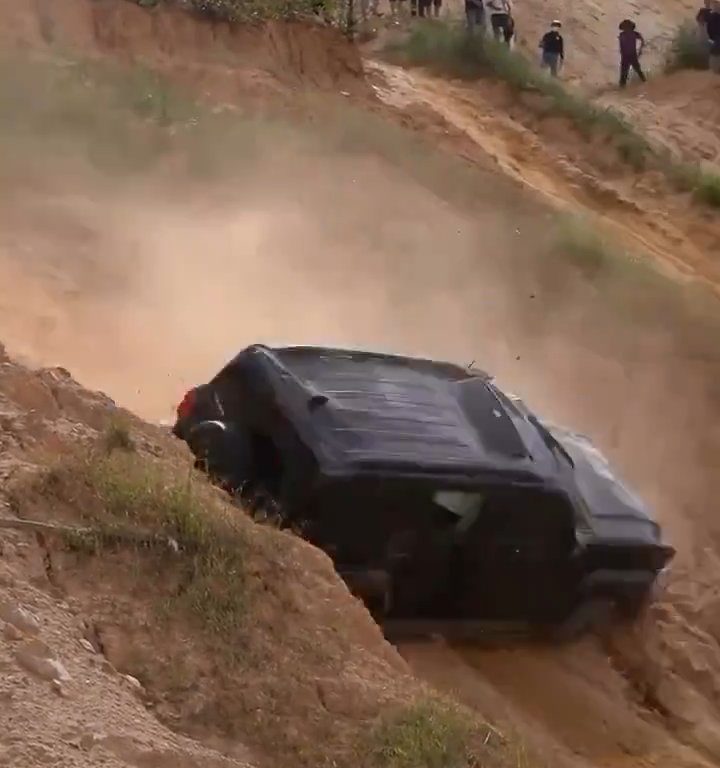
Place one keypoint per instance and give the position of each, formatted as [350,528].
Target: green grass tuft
[125,498]
[581,244]
[707,189]
[254,10]
[425,735]
[117,437]
[688,50]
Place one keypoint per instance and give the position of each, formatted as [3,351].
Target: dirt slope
[554,164]
[113,642]
[63,702]
[680,111]
[590,29]
[212,57]
[147,286]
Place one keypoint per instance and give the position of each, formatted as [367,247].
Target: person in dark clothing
[703,15]
[509,29]
[712,26]
[630,54]
[475,14]
[552,46]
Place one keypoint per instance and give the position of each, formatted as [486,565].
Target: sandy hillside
[146,623]
[64,702]
[591,28]
[680,112]
[423,218]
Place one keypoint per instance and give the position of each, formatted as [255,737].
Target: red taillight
[186,406]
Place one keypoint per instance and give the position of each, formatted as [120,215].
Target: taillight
[185,408]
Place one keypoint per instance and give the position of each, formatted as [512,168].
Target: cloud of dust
[145,292]
[143,296]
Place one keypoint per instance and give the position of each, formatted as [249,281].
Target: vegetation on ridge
[688,49]
[450,50]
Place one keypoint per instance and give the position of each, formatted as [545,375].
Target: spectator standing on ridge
[510,30]
[713,33]
[475,14]
[702,17]
[630,54]
[553,48]
[500,11]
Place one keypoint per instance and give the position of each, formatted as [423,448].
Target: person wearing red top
[630,53]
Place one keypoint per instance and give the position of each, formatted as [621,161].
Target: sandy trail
[572,700]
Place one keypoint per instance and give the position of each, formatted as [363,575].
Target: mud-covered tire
[261,506]
[222,454]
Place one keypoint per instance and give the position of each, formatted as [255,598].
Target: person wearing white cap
[552,46]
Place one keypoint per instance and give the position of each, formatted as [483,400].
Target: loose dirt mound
[219,60]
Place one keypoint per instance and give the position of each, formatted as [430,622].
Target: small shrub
[581,244]
[450,49]
[688,50]
[688,177]
[125,498]
[426,735]
[707,189]
[117,437]
[683,176]
[253,10]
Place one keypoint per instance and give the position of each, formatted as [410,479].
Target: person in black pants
[712,26]
[630,54]
[475,14]
[500,19]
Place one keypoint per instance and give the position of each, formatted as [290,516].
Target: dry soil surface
[143,289]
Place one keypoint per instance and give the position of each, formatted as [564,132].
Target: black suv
[444,502]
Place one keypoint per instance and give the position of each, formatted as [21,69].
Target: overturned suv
[445,504]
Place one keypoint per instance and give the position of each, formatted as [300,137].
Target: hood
[613,512]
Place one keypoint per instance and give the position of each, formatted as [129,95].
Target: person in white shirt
[501,19]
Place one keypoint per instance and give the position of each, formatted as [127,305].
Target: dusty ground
[680,111]
[145,283]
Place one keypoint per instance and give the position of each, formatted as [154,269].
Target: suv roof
[385,412]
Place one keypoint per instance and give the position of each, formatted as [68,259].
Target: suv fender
[222,450]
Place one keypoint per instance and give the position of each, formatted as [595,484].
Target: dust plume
[145,294]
